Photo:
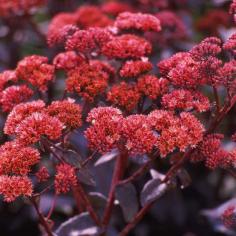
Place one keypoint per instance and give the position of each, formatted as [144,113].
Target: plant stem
[137,173]
[88,204]
[136,219]
[119,170]
[41,218]
[217,99]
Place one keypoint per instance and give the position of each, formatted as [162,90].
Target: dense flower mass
[36,70]
[135,68]
[42,174]
[92,16]
[7,77]
[172,26]
[62,26]
[124,80]
[85,41]
[31,129]
[19,113]
[124,95]
[186,100]
[16,159]
[213,154]
[114,8]
[176,131]
[137,134]
[67,60]
[104,132]
[15,7]
[127,46]
[137,21]
[14,95]
[67,112]
[12,187]
[151,86]
[65,178]
[88,80]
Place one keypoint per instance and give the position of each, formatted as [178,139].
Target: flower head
[124,95]
[16,159]
[135,68]
[42,174]
[91,16]
[36,70]
[68,112]
[186,100]
[137,21]
[137,134]
[67,60]
[104,132]
[31,129]
[6,77]
[87,80]
[14,95]
[61,26]
[12,187]
[19,113]
[65,178]
[151,86]
[127,46]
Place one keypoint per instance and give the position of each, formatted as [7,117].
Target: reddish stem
[136,219]
[87,203]
[119,170]
[41,218]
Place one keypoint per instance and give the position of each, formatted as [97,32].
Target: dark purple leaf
[107,157]
[127,197]
[80,225]
[152,190]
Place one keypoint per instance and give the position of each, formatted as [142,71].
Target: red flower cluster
[61,26]
[35,70]
[229,216]
[14,95]
[67,112]
[85,41]
[15,7]
[88,80]
[186,100]
[6,78]
[31,129]
[65,24]
[230,44]
[67,60]
[172,26]
[124,95]
[16,159]
[65,178]
[42,175]
[151,86]
[19,113]
[92,16]
[137,21]
[211,152]
[12,187]
[176,132]
[135,68]
[103,134]
[127,46]
[137,134]
[114,8]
